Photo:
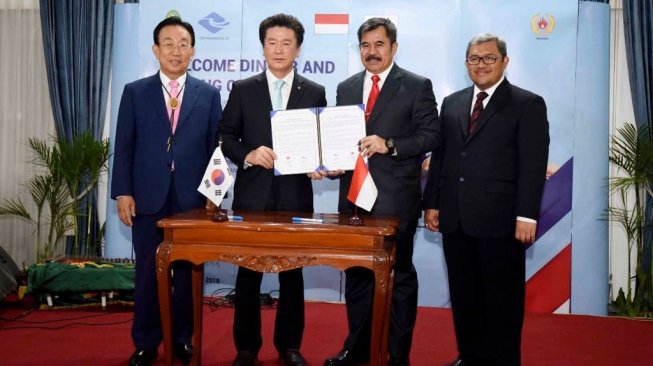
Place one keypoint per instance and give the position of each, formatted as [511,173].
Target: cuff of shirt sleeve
[526,219]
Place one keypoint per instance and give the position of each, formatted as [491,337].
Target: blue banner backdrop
[544,41]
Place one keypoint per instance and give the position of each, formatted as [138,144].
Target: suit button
[462,179]
[463,154]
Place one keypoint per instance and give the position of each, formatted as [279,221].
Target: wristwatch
[390,144]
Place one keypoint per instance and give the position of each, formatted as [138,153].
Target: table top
[271,221]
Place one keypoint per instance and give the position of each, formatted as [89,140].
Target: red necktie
[374,93]
[476,111]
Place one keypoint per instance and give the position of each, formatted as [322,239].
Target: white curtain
[621,110]
[25,111]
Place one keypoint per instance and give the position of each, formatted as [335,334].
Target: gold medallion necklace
[173,102]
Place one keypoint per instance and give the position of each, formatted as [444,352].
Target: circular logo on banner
[542,25]
[217,176]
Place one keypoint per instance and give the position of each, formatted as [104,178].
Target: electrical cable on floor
[220,297]
[224,297]
[33,324]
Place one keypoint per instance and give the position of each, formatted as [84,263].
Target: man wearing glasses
[166,133]
[483,194]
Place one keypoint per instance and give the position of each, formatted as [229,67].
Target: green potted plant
[631,151]
[71,172]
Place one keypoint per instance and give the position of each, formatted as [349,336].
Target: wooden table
[270,242]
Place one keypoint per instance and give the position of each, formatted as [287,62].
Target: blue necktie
[277,100]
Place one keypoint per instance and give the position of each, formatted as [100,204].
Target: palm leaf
[631,151]
[72,170]
[14,208]
[39,188]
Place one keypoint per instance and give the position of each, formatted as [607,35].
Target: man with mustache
[401,126]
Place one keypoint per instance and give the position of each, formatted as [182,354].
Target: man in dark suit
[401,126]
[164,139]
[247,141]
[483,193]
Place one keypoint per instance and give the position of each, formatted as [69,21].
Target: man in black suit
[401,126]
[247,141]
[483,193]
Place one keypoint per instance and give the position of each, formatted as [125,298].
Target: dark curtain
[77,40]
[638,25]
[638,30]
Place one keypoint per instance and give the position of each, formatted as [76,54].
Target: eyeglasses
[487,59]
[169,46]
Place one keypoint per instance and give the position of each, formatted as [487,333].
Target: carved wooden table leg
[163,279]
[383,275]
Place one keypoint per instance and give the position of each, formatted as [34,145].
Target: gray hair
[488,37]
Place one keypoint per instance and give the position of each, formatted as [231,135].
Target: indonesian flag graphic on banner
[331,23]
[362,191]
[217,179]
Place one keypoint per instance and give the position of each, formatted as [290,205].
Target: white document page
[341,128]
[295,141]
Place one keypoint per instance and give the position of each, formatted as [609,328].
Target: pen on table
[235,218]
[306,220]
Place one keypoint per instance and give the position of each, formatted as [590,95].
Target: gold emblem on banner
[542,25]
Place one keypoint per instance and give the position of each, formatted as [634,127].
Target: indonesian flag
[217,179]
[331,23]
[362,191]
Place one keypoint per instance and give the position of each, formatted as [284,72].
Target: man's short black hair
[282,20]
[373,23]
[174,21]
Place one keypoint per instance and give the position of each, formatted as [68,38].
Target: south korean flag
[217,179]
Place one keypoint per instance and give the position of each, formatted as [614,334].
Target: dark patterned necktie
[476,112]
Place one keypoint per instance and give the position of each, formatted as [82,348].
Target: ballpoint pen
[305,220]
[235,218]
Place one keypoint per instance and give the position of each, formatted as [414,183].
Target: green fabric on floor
[56,277]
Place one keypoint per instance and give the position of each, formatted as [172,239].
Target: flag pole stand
[355,220]
[220,214]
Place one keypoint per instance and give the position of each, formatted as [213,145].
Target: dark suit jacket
[246,126]
[141,164]
[406,111]
[484,181]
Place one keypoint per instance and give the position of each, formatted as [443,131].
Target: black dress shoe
[458,362]
[398,362]
[292,357]
[345,358]
[183,352]
[245,358]
[143,357]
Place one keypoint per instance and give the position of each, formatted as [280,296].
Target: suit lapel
[357,88]
[155,94]
[296,92]
[390,87]
[498,99]
[263,94]
[191,95]
[465,108]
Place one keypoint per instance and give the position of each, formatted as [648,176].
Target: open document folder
[311,139]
